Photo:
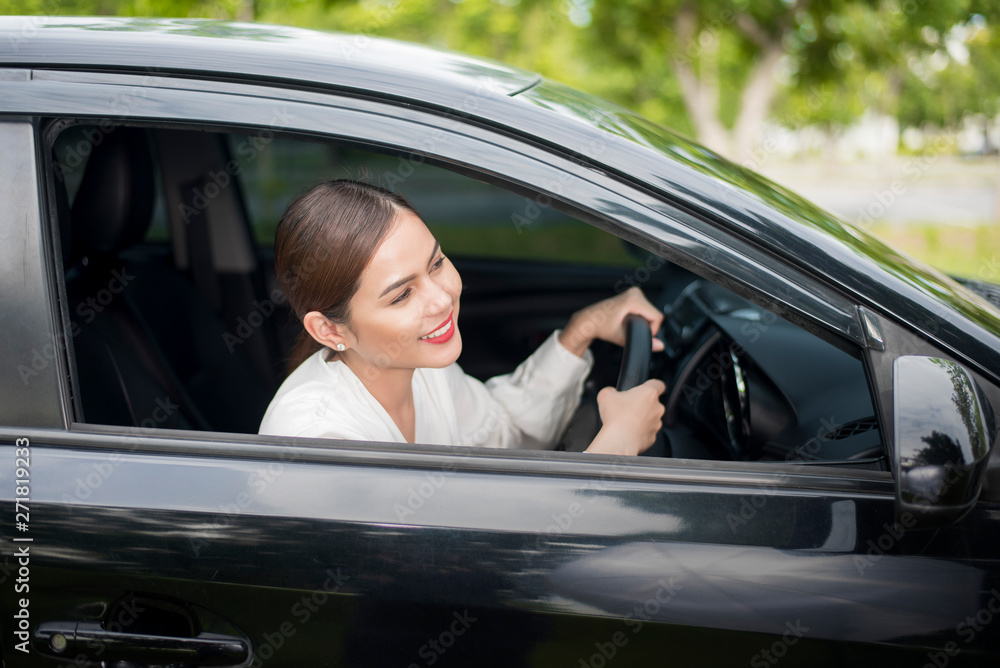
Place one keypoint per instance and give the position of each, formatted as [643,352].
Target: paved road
[916,204]
[903,190]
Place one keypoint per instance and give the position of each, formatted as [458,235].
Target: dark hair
[323,243]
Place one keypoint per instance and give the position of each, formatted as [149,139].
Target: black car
[822,492]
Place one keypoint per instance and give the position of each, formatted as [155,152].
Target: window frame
[582,191]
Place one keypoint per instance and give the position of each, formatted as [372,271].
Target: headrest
[114,204]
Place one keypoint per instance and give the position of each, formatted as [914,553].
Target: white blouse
[528,408]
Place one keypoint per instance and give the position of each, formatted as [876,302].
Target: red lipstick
[445,335]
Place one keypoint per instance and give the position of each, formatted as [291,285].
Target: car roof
[257,51]
[524,103]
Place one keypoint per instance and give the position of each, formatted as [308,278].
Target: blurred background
[882,111]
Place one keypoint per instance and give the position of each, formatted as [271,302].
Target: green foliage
[947,94]
[219,9]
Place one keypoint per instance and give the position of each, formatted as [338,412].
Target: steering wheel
[725,404]
[635,356]
[634,371]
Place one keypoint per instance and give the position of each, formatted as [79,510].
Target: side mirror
[944,429]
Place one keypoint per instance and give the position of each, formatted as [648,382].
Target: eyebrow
[403,281]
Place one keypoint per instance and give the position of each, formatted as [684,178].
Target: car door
[157,546]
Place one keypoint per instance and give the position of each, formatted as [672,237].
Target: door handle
[90,642]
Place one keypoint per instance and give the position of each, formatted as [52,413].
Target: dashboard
[746,385]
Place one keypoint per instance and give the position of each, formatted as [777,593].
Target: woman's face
[405,312]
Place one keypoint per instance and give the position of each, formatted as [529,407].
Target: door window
[157,344]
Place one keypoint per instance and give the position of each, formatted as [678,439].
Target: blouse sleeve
[528,408]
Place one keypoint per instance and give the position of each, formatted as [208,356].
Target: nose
[439,301]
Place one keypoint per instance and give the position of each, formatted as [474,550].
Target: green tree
[731,57]
[219,9]
[962,81]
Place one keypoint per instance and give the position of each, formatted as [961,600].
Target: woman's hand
[605,320]
[631,419]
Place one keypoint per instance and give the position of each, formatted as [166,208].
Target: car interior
[174,318]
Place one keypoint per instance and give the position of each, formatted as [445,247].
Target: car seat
[149,351]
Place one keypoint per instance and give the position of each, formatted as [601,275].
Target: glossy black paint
[944,434]
[26,328]
[354,554]
[555,547]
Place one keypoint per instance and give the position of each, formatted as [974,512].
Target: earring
[341,347]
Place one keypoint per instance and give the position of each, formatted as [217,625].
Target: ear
[323,330]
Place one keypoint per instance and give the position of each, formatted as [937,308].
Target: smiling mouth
[442,333]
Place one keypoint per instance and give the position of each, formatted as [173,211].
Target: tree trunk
[700,85]
[996,197]
[246,10]
[755,103]
[700,88]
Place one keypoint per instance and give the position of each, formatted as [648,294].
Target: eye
[402,297]
[438,264]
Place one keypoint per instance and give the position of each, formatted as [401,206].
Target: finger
[656,384]
[655,318]
[642,297]
[642,306]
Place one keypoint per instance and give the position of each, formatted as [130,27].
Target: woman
[379,303]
